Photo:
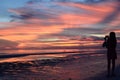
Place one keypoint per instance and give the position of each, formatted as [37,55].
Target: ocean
[39,54]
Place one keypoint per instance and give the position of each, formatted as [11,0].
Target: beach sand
[74,67]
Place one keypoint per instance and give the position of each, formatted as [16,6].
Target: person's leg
[108,66]
[113,67]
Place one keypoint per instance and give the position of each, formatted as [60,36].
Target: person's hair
[112,37]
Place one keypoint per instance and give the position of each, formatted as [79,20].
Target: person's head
[112,35]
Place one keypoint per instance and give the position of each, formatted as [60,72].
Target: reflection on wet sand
[48,69]
[30,69]
[17,67]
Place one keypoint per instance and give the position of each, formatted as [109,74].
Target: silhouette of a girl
[111,53]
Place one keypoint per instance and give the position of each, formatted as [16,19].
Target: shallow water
[30,55]
[38,54]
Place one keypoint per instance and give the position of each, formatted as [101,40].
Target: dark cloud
[4,44]
[44,17]
[81,33]
[27,13]
[23,16]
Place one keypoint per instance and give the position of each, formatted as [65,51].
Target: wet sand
[74,67]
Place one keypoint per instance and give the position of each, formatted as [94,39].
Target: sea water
[38,54]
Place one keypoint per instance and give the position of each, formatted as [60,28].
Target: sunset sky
[46,23]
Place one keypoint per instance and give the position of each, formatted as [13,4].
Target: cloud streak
[40,20]
[113,15]
[6,44]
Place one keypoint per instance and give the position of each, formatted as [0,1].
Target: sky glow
[41,23]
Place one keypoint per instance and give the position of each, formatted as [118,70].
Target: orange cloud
[28,34]
[34,26]
[90,14]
